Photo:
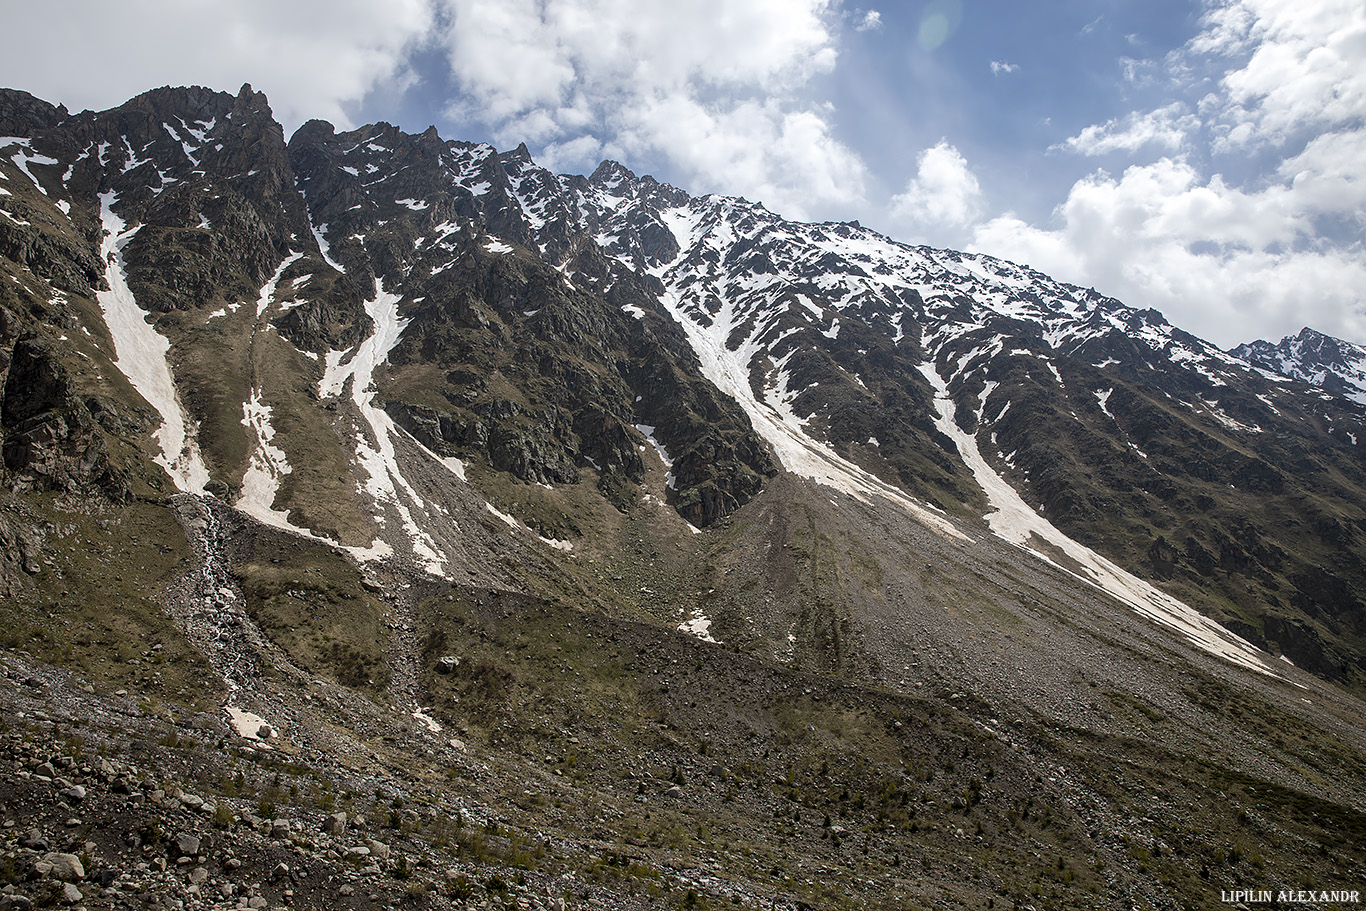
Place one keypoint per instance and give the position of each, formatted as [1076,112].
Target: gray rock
[335,824]
[70,894]
[34,841]
[187,845]
[66,867]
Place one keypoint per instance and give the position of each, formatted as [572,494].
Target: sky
[1206,158]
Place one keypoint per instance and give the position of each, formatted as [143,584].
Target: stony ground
[434,745]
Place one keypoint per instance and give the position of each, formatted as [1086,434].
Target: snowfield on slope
[140,354]
[1013,520]
[776,423]
[386,484]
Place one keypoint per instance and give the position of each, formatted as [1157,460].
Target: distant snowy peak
[1312,357]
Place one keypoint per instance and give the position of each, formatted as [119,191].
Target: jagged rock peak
[313,130]
[1314,357]
[610,174]
[196,102]
[521,153]
[22,114]
[247,95]
[1328,350]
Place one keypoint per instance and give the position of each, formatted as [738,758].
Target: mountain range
[678,534]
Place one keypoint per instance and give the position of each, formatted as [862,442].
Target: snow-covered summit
[1315,358]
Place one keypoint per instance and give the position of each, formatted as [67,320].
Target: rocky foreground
[107,804]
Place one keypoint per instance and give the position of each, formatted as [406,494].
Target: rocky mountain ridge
[1120,425]
[1314,358]
[716,556]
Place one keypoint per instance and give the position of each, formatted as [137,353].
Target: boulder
[67,867]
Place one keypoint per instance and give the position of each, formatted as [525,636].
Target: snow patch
[25,157]
[268,291]
[507,519]
[386,484]
[1103,398]
[268,464]
[774,419]
[248,725]
[697,625]
[323,247]
[140,354]
[648,432]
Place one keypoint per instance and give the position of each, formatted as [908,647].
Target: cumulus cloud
[1282,246]
[1228,297]
[998,67]
[718,88]
[944,194]
[313,58]
[1215,258]
[1168,127]
[1299,63]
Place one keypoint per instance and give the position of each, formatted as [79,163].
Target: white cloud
[718,88]
[1329,176]
[871,20]
[313,58]
[1273,91]
[943,195]
[577,156]
[998,67]
[789,160]
[1220,261]
[563,75]
[1300,63]
[1167,127]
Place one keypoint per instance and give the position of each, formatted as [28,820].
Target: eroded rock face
[52,442]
